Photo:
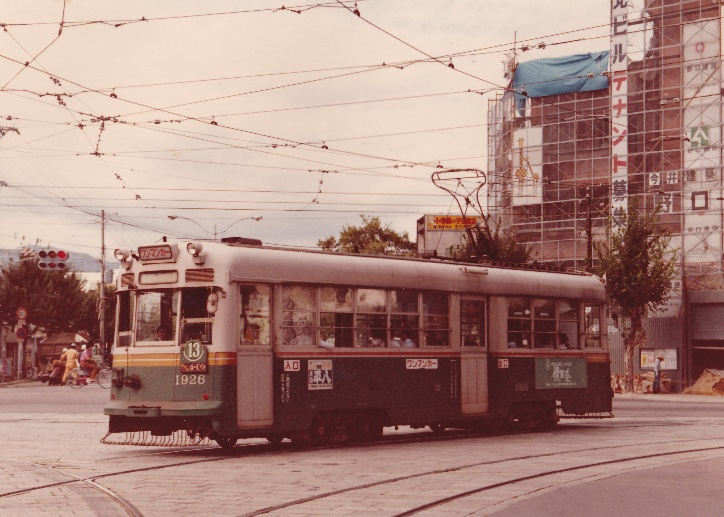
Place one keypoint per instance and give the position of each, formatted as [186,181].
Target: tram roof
[280,265]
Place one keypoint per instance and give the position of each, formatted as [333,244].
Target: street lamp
[215,234]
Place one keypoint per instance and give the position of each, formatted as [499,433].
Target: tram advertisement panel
[561,372]
[320,375]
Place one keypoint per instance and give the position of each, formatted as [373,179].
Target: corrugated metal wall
[660,332]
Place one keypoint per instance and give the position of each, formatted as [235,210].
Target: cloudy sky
[304,114]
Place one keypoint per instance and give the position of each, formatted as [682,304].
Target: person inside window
[301,330]
[163,333]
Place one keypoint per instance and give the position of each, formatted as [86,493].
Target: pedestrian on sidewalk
[657,373]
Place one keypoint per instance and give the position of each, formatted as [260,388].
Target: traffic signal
[53,260]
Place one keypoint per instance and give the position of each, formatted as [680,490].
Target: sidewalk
[672,397]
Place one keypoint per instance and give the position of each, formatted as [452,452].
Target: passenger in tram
[562,341]
[543,341]
[302,331]
[163,333]
[328,343]
[406,341]
[512,344]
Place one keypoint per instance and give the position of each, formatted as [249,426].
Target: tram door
[254,361]
[474,356]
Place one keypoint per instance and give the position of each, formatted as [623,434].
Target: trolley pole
[102,286]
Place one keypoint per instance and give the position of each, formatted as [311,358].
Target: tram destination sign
[158,253]
[561,372]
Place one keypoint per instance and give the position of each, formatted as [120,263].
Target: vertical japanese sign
[619,109]
[702,148]
[320,375]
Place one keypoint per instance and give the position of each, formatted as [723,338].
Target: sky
[221,112]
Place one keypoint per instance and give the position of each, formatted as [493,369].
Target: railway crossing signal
[53,260]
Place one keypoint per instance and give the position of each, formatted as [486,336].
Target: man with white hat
[71,360]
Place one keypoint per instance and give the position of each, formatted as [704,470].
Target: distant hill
[78,261]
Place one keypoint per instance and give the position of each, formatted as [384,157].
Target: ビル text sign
[561,372]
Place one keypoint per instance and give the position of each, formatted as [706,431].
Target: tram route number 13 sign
[193,357]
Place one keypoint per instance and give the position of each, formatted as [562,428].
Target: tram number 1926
[183,380]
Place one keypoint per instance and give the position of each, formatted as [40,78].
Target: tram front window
[196,321]
[156,316]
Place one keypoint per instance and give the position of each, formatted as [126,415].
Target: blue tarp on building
[559,75]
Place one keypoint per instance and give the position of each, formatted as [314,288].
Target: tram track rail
[254,449]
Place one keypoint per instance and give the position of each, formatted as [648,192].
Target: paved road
[667,462]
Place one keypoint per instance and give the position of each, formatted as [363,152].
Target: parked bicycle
[79,377]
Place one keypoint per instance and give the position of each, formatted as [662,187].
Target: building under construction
[573,139]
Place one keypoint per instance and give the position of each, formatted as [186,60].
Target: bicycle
[79,377]
[105,377]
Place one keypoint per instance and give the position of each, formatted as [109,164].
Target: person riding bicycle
[88,363]
[71,360]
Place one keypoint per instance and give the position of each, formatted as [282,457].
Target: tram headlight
[124,257]
[194,248]
[212,303]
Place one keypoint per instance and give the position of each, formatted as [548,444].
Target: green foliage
[483,243]
[638,272]
[55,300]
[371,238]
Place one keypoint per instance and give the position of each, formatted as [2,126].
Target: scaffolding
[562,165]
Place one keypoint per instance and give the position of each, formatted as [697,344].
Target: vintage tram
[226,340]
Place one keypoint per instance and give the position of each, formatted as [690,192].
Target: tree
[370,239]
[89,320]
[638,274]
[54,299]
[485,244]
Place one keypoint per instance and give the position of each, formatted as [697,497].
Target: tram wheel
[274,439]
[226,442]
[437,428]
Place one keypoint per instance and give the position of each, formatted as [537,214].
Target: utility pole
[102,285]
[589,233]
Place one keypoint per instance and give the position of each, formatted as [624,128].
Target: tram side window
[519,323]
[156,316]
[371,318]
[435,319]
[592,325]
[544,324]
[299,324]
[404,318]
[336,317]
[196,321]
[126,305]
[568,317]
[472,323]
[255,314]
